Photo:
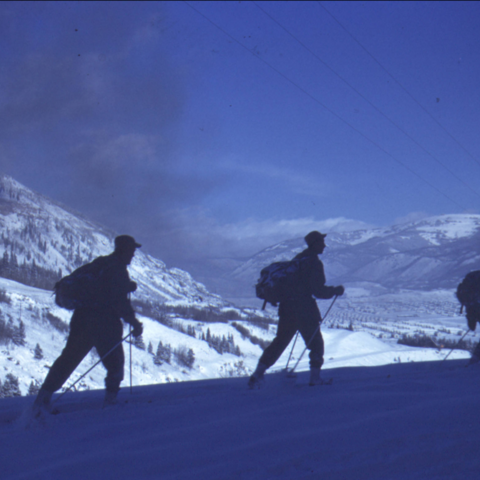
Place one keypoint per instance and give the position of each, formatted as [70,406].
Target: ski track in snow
[403,421]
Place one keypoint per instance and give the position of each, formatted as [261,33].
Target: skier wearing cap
[300,313]
[99,326]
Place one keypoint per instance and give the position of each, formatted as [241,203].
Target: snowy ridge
[429,254]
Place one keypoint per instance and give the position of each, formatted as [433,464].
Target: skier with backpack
[292,285]
[468,294]
[99,295]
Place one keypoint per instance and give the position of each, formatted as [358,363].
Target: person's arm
[317,282]
[120,287]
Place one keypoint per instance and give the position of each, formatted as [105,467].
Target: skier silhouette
[99,327]
[300,313]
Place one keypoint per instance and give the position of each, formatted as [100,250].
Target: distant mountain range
[429,254]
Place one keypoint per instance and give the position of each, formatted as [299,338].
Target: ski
[322,382]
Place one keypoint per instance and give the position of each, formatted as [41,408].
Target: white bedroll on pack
[278,281]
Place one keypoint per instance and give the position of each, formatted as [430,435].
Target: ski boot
[42,402]
[315,378]
[110,399]
[257,379]
[473,360]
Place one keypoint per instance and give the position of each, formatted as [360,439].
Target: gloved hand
[473,312]
[137,329]
[339,291]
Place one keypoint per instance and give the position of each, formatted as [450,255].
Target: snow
[378,322]
[403,421]
[449,226]
[393,411]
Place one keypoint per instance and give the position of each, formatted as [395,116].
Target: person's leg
[475,358]
[109,335]
[309,326]
[79,343]
[285,331]
[287,327]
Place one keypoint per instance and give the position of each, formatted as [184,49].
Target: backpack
[83,287]
[279,281]
[468,291]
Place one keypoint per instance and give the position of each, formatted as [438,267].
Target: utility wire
[327,108]
[451,172]
[401,86]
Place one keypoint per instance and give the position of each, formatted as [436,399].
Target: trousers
[297,315]
[90,328]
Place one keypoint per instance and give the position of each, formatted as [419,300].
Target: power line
[401,86]
[325,107]
[451,172]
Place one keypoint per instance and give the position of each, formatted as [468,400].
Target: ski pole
[131,392]
[294,342]
[91,368]
[313,336]
[458,343]
[329,308]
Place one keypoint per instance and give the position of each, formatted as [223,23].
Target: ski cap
[124,242]
[314,237]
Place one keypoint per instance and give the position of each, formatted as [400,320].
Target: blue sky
[214,129]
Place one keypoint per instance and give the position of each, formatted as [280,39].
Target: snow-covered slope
[33,331]
[395,422]
[357,332]
[429,254]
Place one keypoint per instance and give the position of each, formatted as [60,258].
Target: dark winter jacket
[312,277]
[115,286]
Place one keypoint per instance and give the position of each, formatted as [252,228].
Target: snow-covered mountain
[433,253]
[42,240]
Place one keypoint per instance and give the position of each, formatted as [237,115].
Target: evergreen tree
[190,358]
[184,356]
[34,387]
[150,348]
[139,343]
[38,352]
[191,331]
[18,337]
[163,355]
[10,387]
